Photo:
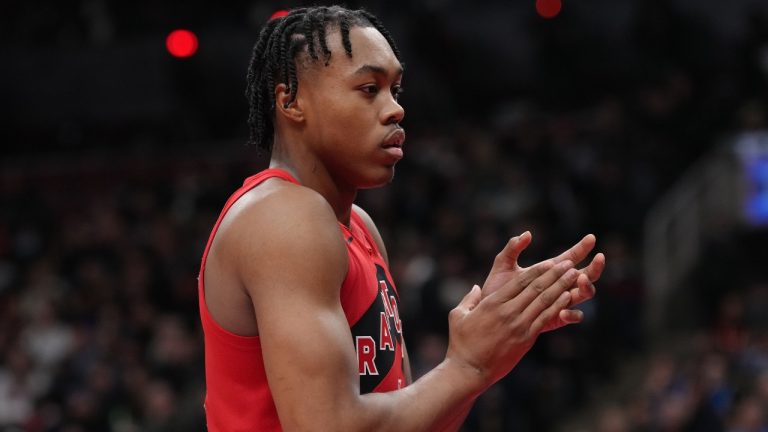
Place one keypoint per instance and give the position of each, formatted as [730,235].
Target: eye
[370,89]
[397,91]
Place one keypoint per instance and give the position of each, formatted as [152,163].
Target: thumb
[507,258]
[470,300]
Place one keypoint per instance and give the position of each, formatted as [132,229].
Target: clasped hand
[493,327]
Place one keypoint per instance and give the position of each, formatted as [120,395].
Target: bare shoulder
[280,228]
[276,209]
[372,229]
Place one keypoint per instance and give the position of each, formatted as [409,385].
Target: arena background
[642,121]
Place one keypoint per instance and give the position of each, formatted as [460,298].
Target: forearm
[440,400]
[456,420]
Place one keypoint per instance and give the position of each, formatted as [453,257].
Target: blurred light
[752,149]
[181,43]
[278,14]
[548,8]
[757,191]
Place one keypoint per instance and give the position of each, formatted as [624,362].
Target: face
[350,109]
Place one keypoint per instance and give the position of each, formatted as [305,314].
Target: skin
[278,261]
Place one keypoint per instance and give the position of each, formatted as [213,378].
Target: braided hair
[274,58]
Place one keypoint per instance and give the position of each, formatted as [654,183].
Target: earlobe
[286,104]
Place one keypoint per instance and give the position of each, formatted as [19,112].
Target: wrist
[470,377]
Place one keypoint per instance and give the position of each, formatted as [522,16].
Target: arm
[292,261]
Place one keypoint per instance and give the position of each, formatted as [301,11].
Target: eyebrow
[376,69]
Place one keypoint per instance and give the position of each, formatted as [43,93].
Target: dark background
[117,157]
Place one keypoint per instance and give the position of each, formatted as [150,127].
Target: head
[323,85]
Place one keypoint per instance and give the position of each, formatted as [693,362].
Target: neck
[311,173]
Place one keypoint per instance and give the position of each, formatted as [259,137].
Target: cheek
[330,107]
[339,116]
[345,118]
[345,107]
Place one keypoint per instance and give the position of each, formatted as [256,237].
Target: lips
[393,143]
[394,139]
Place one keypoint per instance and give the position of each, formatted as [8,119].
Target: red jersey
[238,396]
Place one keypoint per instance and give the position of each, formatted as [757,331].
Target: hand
[584,289]
[505,266]
[491,331]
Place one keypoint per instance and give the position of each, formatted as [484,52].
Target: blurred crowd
[98,327]
[714,376]
[99,252]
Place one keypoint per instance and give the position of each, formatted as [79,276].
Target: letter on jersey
[366,355]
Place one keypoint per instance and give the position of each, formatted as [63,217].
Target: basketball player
[302,330]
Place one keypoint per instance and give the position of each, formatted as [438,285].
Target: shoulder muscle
[283,237]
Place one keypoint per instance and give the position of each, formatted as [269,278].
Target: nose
[393,113]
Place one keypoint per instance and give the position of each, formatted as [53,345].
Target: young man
[300,313]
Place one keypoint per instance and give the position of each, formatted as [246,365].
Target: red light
[548,8]
[181,43]
[278,14]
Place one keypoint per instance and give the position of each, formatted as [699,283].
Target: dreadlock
[274,58]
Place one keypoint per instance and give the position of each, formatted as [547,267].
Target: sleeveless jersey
[237,394]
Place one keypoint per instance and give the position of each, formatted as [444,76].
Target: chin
[381,178]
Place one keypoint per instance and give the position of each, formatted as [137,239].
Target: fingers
[544,284]
[583,291]
[507,258]
[511,289]
[571,316]
[466,305]
[564,318]
[549,313]
[595,268]
[555,282]
[579,251]
[470,300]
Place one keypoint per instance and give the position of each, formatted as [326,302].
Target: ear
[292,110]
